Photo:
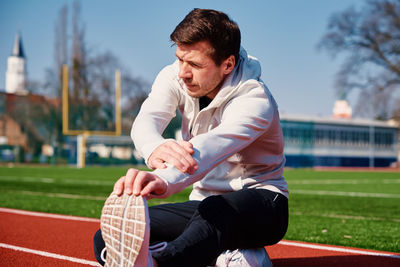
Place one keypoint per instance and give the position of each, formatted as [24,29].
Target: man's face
[198,70]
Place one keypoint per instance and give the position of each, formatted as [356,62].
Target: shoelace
[158,247]
[230,256]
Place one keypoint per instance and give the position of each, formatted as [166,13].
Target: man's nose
[184,71]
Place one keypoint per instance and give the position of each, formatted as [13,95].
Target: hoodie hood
[248,69]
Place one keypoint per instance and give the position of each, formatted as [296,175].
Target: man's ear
[228,64]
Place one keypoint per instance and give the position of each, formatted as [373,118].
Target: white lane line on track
[54,180]
[346,194]
[345,217]
[49,215]
[49,254]
[57,195]
[337,249]
[344,181]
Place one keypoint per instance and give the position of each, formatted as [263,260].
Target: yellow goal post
[83,134]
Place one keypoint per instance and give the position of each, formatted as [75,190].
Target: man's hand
[141,183]
[178,154]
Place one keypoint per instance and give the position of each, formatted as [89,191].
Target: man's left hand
[178,154]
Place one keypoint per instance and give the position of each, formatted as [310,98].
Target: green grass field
[356,209]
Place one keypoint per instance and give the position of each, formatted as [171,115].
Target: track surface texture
[42,239]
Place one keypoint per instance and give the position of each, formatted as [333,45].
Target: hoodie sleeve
[155,113]
[244,119]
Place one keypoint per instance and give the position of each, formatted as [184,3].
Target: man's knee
[218,212]
[244,218]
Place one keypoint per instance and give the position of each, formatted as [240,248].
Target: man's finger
[146,191]
[119,186]
[140,182]
[174,158]
[181,149]
[187,146]
[155,187]
[157,164]
[129,180]
[188,164]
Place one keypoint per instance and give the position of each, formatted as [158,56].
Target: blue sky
[282,34]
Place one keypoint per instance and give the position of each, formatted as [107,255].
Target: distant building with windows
[311,142]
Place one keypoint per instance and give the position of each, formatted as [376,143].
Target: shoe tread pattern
[123,225]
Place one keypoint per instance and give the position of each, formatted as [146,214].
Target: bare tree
[135,91]
[370,38]
[93,85]
[60,45]
[101,75]
[80,88]
[53,80]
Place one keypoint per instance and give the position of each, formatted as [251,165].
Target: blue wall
[297,161]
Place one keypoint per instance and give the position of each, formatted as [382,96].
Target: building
[342,109]
[315,141]
[23,121]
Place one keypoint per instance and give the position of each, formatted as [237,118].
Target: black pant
[198,231]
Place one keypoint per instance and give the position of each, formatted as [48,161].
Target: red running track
[41,239]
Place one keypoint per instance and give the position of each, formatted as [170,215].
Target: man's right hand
[178,154]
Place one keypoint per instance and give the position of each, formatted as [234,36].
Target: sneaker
[125,229]
[256,257]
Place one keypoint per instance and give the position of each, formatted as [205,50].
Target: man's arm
[155,114]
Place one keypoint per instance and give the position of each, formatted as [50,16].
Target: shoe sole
[123,225]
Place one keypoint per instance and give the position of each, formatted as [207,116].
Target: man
[232,152]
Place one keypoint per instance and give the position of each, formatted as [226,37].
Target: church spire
[16,69]
[18,50]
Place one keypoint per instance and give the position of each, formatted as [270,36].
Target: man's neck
[204,101]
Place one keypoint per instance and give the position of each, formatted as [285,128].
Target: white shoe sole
[256,257]
[123,226]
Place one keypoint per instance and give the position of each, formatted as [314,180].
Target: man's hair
[213,26]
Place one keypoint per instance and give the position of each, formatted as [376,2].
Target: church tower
[16,69]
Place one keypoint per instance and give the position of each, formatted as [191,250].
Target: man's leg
[168,221]
[245,219]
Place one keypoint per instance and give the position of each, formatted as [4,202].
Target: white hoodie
[237,138]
